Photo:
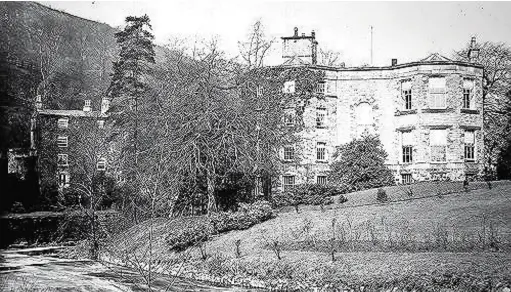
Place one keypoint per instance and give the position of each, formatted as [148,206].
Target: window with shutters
[407,146]
[469,145]
[320,117]
[321,179]
[62,141]
[438,144]
[468,88]
[321,151]
[406,93]
[288,181]
[437,92]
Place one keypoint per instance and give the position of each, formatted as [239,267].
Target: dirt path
[26,271]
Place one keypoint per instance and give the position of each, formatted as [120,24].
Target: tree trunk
[211,193]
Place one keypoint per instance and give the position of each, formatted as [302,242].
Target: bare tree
[255,48]
[329,57]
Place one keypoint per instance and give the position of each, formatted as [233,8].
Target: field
[432,237]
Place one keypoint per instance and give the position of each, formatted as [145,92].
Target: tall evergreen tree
[129,89]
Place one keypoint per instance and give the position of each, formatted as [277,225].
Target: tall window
[320,117]
[469,145]
[364,114]
[289,153]
[63,179]
[321,179]
[259,91]
[437,92]
[289,87]
[63,123]
[62,160]
[407,144]
[438,144]
[62,141]
[406,93]
[468,87]
[321,151]
[288,182]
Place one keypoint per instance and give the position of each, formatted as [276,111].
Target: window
[407,178]
[320,88]
[87,103]
[289,117]
[63,123]
[364,114]
[470,145]
[289,153]
[407,146]
[288,182]
[62,160]
[406,93]
[101,124]
[63,179]
[259,91]
[321,180]
[321,151]
[468,87]
[437,92]
[101,165]
[438,143]
[62,141]
[320,117]
[289,87]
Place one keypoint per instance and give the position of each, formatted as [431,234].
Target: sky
[407,31]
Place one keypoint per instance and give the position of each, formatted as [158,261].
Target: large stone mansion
[428,115]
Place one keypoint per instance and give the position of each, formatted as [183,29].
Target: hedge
[196,229]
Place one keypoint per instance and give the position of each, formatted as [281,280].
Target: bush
[381,196]
[308,194]
[362,165]
[197,229]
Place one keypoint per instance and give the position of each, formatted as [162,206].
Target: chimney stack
[313,34]
[296,31]
[473,52]
[394,62]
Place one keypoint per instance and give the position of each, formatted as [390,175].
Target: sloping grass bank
[251,256]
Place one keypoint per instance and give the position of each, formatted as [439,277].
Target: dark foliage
[309,194]
[197,229]
[381,196]
[360,165]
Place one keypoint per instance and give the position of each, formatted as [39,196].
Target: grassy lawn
[447,222]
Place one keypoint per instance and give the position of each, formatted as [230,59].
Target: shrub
[308,194]
[197,229]
[362,165]
[381,196]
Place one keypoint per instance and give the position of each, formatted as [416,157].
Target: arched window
[364,114]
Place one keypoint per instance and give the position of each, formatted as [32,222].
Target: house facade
[428,115]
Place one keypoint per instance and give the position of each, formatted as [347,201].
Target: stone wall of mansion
[428,115]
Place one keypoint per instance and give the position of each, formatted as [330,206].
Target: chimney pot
[394,62]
